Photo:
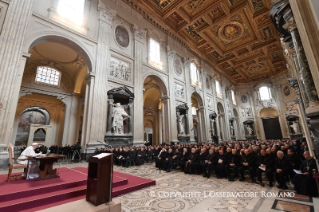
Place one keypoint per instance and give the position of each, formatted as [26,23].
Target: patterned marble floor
[199,192]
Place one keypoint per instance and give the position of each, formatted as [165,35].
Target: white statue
[181,126]
[250,130]
[118,114]
[295,127]
[232,130]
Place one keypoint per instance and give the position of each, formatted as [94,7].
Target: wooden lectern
[100,178]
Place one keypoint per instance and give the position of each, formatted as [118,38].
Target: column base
[251,137]
[138,143]
[119,140]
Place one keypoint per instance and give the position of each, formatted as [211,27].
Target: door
[272,128]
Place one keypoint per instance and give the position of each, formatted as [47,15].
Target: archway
[155,109]
[270,122]
[198,117]
[54,76]
[221,121]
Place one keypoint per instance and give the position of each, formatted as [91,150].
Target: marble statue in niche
[232,132]
[121,36]
[119,115]
[179,91]
[120,70]
[249,130]
[181,125]
[209,102]
[178,66]
[295,127]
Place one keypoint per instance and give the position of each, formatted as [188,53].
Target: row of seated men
[277,159]
[127,156]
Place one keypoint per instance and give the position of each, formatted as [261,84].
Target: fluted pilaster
[12,62]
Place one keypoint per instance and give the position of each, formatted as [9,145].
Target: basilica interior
[177,71]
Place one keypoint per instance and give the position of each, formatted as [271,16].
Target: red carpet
[29,195]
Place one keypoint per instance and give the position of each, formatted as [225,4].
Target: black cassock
[189,165]
[305,184]
[140,159]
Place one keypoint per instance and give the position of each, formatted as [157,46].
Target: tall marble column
[173,123]
[186,123]
[189,99]
[139,36]
[201,112]
[12,62]
[294,84]
[166,118]
[71,120]
[88,107]
[109,115]
[305,77]
[206,110]
[98,118]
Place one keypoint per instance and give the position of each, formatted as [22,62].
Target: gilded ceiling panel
[237,36]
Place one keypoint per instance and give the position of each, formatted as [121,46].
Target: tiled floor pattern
[199,192]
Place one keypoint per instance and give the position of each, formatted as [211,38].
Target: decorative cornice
[106,13]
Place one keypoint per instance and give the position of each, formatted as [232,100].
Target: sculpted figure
[118,118]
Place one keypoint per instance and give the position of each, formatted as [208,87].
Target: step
[43,199]
[39,191]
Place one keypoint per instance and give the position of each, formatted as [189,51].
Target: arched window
[233,97]
[264,93]
[195,77]
[47,75]
[72,10]
[218,90]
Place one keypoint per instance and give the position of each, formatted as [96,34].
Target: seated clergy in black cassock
[161,159]
[282,167]
[176,158]
[201,160]
[167,164]
[247,163]
[295,162]
[125,155]
[184,158]
[220,167]
[267,162]
[232,164]
[210,163]
[304,183]
[192,159]
[140,157]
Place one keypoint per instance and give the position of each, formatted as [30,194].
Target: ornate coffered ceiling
[237,36]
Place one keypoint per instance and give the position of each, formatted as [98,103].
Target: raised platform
[30,195]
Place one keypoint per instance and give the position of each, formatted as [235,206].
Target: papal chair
[14,165]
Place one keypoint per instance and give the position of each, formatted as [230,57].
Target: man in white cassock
[33,169]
